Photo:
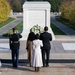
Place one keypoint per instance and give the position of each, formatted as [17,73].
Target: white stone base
[68,46]
[4,46]
[24,35]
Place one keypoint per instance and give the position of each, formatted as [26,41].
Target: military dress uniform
[14,46]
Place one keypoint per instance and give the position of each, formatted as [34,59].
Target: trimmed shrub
[68,11]
[6,35]
[4,10]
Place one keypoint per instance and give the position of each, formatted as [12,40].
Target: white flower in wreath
[37,29]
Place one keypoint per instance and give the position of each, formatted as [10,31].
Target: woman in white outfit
[36,53]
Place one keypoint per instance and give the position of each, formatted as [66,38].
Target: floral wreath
[37,29]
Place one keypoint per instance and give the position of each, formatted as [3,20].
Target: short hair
[45,28]
[37,36]
[14,29]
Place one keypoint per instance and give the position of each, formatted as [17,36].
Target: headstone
[36,13]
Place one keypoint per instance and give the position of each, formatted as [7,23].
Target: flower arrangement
[37,29]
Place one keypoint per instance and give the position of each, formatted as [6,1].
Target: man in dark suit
[46,38]
[14,46]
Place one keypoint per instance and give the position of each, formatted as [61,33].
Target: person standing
[36,53]
[46,38]
[14,46]
[30,39]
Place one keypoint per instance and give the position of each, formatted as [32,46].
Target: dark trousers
[15,56]
[45,52]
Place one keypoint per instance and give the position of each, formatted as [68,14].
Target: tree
[4,10]
[16,6]
[68,11]
[55,4]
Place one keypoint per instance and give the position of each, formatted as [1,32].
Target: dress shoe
[47,65]
[44,66]
[30,64]
[36,69]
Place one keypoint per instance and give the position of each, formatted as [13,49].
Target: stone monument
[36,13]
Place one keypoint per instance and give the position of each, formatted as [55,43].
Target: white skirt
[36,58]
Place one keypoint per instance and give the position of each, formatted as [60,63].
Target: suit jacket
[14,41]
[46,38]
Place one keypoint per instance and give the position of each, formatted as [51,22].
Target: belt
[15,41]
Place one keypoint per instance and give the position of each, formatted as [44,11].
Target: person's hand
[17,31]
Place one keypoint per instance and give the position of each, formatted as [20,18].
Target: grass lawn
[56,30]
[19,27]
[6,22]
[65,23]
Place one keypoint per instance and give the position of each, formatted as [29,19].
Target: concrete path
[62,27]
[62,62]
[9,26]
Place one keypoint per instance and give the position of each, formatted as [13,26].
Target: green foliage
[6,35]
[16,6]
[4,10]
[68,11]
[55,4]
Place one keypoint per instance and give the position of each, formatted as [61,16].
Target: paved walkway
[9,26]
[53,69]
[62,27]
[62,62]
